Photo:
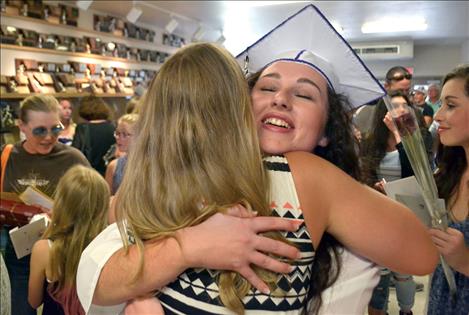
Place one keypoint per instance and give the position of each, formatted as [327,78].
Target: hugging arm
[365,221]
[222,242]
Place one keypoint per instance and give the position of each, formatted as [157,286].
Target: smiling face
[453,115]
[35,144]
[290,108]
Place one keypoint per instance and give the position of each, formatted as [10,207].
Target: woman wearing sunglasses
[38,161]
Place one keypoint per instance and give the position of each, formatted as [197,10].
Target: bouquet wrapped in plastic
[406,123]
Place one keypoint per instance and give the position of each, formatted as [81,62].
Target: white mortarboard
[307,37]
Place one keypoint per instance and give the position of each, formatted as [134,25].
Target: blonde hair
[196,146]
[130,119]
[132,106]
[38,103]
[80,211]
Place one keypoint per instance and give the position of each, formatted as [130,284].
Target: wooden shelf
[12,96]
[74,54]
[119,39]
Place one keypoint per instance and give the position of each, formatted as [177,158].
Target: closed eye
[267,89]
[306,97]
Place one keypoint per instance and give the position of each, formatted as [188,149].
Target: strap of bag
[5,155]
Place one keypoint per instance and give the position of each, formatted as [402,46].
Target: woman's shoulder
[311,166]
[40,250]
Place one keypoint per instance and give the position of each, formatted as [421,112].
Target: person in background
[384,160]
[452,180]
[114,153]
[397,78]
[124,134]
[96,135]
[433,99]
[419,102]
[80,212]
[5,289]
[38,161]
[66,108]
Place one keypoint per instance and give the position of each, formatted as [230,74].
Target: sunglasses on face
[400,77]
[42,132]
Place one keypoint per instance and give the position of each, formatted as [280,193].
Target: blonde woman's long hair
[195,153]
[81,204]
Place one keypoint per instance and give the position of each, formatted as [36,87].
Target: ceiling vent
[385,50]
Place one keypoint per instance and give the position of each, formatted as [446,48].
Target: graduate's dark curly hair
[341,151]
[452,160]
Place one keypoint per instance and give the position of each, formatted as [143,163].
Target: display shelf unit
[11,52]
[18,96]
[132,42]
[75,54]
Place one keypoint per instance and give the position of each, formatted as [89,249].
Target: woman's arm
[365,221]
[109,176]
[222,242]
[37,273]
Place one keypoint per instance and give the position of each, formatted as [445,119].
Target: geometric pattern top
[196,291]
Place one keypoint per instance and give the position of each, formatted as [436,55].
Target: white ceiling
[448,21]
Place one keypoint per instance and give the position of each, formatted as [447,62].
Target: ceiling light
[199,33]
[84,4]
[251,4]
[134,14]
[395,25]
[171,26]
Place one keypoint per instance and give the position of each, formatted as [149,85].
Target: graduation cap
[307,37]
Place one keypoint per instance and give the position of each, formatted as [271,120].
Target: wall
[430,61]
[465,52]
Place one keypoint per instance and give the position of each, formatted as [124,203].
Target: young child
[124,135]
[79,214]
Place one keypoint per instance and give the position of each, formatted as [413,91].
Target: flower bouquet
[406,123]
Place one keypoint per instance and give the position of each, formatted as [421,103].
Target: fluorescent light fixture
[199,33]
[393,25]
[84,4]
[134,14]
[251,4]
[171,26]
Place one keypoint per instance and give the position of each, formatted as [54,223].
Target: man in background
[433,99]
[397,78]
[419,95]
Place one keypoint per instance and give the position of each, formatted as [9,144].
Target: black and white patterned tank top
[196,290]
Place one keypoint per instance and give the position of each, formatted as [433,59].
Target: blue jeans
[405,291]
[18,270]
[379,298]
